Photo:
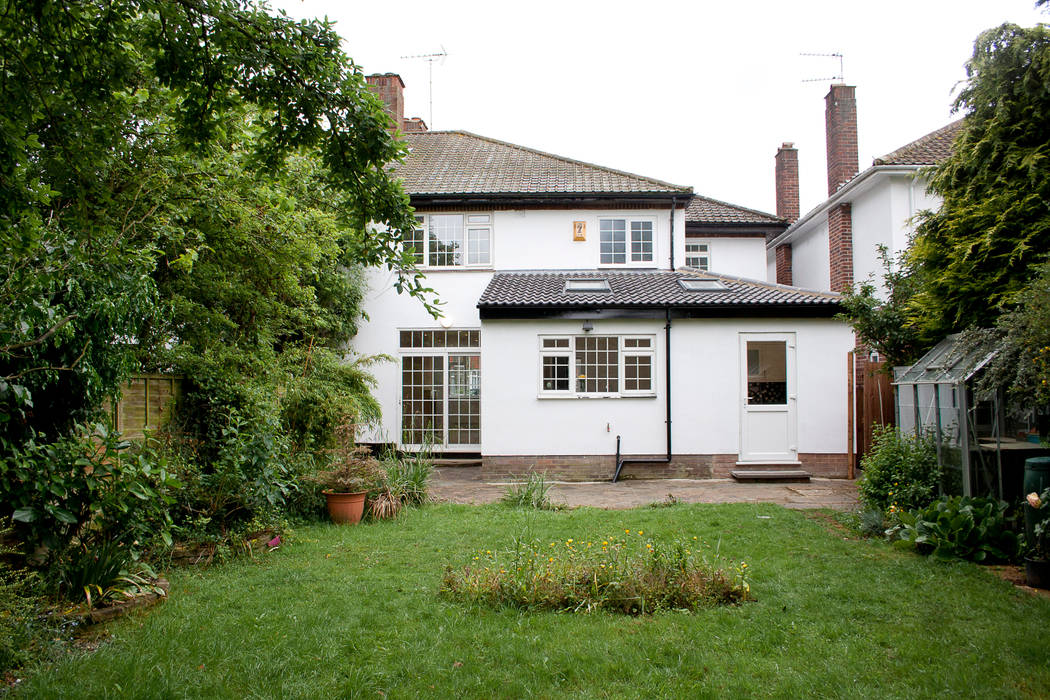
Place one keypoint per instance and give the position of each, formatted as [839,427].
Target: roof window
[702,285]
[587,285]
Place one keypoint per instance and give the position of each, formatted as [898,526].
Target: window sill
[569,397]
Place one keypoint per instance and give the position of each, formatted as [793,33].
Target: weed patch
[626,573]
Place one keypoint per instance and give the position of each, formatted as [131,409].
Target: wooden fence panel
[147,402]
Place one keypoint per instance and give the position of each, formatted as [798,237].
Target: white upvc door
[768,420]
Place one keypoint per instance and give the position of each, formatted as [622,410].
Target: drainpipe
[674,201]
[667,380]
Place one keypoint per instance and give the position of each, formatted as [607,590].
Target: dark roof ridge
[652,180]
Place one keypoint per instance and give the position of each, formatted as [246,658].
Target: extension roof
[931,149]
[534,292]
[706,210]
[443,163]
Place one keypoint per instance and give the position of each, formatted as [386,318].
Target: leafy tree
[978,251]
[104,101]
[881,320]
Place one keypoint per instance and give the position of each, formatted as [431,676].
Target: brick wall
[391,89]
[840,123]
[840,246]
[602,467]
[783,253]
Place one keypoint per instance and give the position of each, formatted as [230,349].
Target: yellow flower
[641,532]
[627,532]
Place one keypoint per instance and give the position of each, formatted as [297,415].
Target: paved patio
[465,485]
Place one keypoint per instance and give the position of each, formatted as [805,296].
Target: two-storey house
[577,322]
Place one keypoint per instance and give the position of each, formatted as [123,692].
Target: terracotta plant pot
[345,508]
[1037,572]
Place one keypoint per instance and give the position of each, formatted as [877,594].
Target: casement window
[697,255]
[626,241]
[596,365]
[451,240]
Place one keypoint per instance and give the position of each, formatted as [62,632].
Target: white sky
[697,93]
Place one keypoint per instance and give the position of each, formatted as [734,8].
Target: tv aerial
[430,58]
[842,73]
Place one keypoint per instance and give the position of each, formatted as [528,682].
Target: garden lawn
[355,611]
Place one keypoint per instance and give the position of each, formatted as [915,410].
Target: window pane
[766,373]
[446,240]
[613,241]
[597,364]
[641,241]
[637,373]
[477,218]
[414,242]
[478,248]
[556,373]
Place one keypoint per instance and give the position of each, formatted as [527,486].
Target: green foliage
[531,493]
[624,574]
[1037,542]
[408,476]
[978,251]
[872,522]
[1021,339]
[880,318]
[900,472]
[86,489]
[22,604]
[957,527]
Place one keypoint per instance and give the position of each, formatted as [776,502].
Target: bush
[900,472]
[959,527]
[531,493]
[625,574]
[22,626]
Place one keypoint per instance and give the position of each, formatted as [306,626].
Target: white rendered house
[577,323]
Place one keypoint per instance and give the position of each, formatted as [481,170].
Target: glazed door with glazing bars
[440,389]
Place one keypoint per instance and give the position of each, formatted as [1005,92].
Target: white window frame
[569,351]
[630,260]
[704,254]
[476,228]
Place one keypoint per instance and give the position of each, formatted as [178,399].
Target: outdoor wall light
[588,326]
[446,322]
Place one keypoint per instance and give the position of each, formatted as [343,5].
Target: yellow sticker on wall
[579,230]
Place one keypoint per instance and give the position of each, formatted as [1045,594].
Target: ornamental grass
[629,573]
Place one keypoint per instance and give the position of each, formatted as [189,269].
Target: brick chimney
[391,89]
[787,182]
[414,125]
[840,121]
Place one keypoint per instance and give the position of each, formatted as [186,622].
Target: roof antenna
[842,73]
[430,58]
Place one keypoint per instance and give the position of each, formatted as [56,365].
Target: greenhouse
[981,442]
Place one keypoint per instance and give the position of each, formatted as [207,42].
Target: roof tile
[712,211]
[931,149]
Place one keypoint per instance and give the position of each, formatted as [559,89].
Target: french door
[441,390]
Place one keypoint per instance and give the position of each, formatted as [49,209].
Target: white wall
[741,257]
[706,390]
[810,254]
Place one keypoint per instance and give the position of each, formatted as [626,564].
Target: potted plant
[352,474]
[1037,558]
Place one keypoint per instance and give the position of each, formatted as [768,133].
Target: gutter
[834,200]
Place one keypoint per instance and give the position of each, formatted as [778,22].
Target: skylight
[587,285]
[702,285]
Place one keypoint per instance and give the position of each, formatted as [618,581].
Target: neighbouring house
[578,324]
[837,243]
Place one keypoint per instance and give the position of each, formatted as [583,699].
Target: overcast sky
[697,93]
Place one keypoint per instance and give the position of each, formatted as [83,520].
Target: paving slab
[466,485]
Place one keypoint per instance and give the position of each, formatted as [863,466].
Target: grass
[355,612]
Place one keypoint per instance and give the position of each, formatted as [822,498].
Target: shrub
[22,624]
[531,493]
[900,472]
[409,476]
[959,527]
[628,574]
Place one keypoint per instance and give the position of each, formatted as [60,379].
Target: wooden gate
[874,403]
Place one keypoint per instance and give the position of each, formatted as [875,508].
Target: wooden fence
[147,402]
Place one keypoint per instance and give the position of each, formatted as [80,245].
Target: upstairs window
[451,240]
[697,255]
[625,241]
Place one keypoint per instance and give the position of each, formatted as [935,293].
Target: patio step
[769,475]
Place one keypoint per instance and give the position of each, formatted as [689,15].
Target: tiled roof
[640,289]
[931,149]
[712,211]
[459,162]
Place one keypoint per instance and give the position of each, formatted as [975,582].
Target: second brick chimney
[391,89]
[840,121]
[787,182]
